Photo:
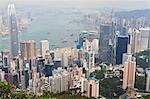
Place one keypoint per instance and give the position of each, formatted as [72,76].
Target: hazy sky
[124,4]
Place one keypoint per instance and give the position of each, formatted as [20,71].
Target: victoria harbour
[53,24]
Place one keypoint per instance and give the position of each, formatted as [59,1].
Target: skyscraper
[90,86]
[95,45]
[89,54]
[106,35]
[148,81]
[44,47]
[135,39]
[5,57]
[2,74]
[145,38]
[65,57]
[139,39]
[28,49]
[23,50]
[129,73]
[26,75]
[121,47]
[12,21]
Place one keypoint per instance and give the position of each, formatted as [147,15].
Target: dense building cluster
[34,70]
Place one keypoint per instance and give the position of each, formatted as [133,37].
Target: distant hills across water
[133,13]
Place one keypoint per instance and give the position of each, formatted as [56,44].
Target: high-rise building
[15,80]
[28,50]
[95,45]
[64,82]
[57,54]
[39,65]
[89,35]
[148,81]
[56,83]
[135,39]
[126,57]
[121,47]
[26,77]
[129,73]
[23,50]
[145,38]
[90,56]
[65,57]
[44,47]
[57,64]
[84,84]
[48,69]
[2,75]
[5,57]
[91,87]
[12,21]
[31,49]
[139,39]
[106,34]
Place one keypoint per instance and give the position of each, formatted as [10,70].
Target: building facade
[12,21]
[129,73]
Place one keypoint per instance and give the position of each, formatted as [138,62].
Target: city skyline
[80,53]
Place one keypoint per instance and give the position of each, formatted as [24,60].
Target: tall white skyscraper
[135,41]
[95,45]
[65,57]
[12,21]
[145,38]
[139,39]
[57,54]
[44,47]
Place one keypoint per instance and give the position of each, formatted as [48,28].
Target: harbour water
[52,24]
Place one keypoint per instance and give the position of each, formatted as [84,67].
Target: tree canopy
[7,92]
[111,87]
[143,59]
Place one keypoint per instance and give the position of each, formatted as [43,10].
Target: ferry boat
[64,40]
[72,34]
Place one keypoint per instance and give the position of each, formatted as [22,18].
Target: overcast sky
[124,4]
